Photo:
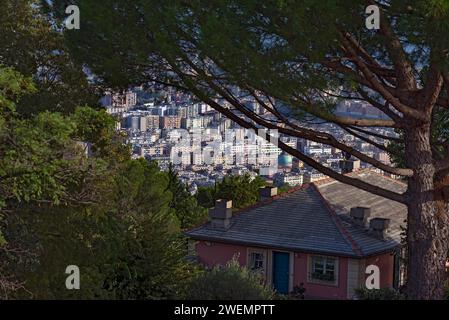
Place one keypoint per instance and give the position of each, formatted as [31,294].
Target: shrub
[378,294]
[229,282]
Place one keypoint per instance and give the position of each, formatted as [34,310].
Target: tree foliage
[71,195]
[42,165]
[32,46]
[186,207]
[242,190]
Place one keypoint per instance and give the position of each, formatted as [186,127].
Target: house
[322,234]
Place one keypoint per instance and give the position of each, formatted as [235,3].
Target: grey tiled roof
[304,221]
[342,197]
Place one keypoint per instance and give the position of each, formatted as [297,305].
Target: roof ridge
[255,205]
[271,199]
[389,178]
[338,223]
[330,179]
[355,173]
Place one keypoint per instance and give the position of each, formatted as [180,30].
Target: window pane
[318,268]
[323,268]
[257,261]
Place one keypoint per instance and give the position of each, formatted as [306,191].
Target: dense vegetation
[69,192]
[242,190]
[186,207]
[105,213]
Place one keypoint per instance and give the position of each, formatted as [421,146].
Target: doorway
[281,271]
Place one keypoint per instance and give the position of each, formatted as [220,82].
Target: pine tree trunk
[427,229]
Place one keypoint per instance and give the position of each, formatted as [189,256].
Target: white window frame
[310,270]
[263,270]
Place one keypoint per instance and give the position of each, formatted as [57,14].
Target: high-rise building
[183,112]
[124,100]
[191,123]
[383,157]
[130,99]
[143,124]
[152,121]
[170,122]
[314,148]
[133,123]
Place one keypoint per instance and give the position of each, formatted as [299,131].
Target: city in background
[157,119]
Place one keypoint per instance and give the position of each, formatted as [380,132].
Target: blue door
[281,267]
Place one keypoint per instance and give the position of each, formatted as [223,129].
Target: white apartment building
[289,178]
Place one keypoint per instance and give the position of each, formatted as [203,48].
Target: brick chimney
[360,215]
[349,165]
[221,214]
[379,227]
[266,193]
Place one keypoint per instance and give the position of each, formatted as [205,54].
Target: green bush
[229,282]
[378,294]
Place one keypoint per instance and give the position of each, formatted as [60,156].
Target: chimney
[266,193]
[379,227]
[360,215]
[221,214]
[349,165]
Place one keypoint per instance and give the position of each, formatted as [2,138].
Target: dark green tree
[151,263]
[32,46]
[242,190]
[42,165]
[62,205]
[185,206]
[206,196]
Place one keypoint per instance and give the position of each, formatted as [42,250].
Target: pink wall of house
[314,290]
[213,253]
